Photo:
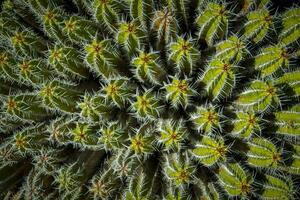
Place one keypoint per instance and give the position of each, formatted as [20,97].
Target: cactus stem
[11,104]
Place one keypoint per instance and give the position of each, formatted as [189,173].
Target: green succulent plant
[149,99]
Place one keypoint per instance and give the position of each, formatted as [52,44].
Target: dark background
[285,3]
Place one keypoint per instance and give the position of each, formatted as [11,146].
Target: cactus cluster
[149,99]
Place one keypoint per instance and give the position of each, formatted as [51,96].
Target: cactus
[235,179]
[287,123]
[147,68]
[34,71]
[146,106]
[172,134]
[141,144]
[291,80]
[263,153]
[277,187]
[290,22]
[149,99]
[258,25]
[213,22]
[179,92]
[59,58]
[99,56]
[142,11]
[219,78]
[56,94]
[206,119]
[79,29]
[259,97]
[130,35]
[178,169]
[207,190]
[209,151]
[246,125]
[184,55]
[231,49]
[112,136]
[165,25]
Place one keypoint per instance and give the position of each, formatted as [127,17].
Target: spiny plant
[149,99]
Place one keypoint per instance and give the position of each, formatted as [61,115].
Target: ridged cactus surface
[149,99]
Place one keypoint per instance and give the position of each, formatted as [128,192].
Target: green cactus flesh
[149,99]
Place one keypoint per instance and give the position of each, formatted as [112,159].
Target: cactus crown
[149,99]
